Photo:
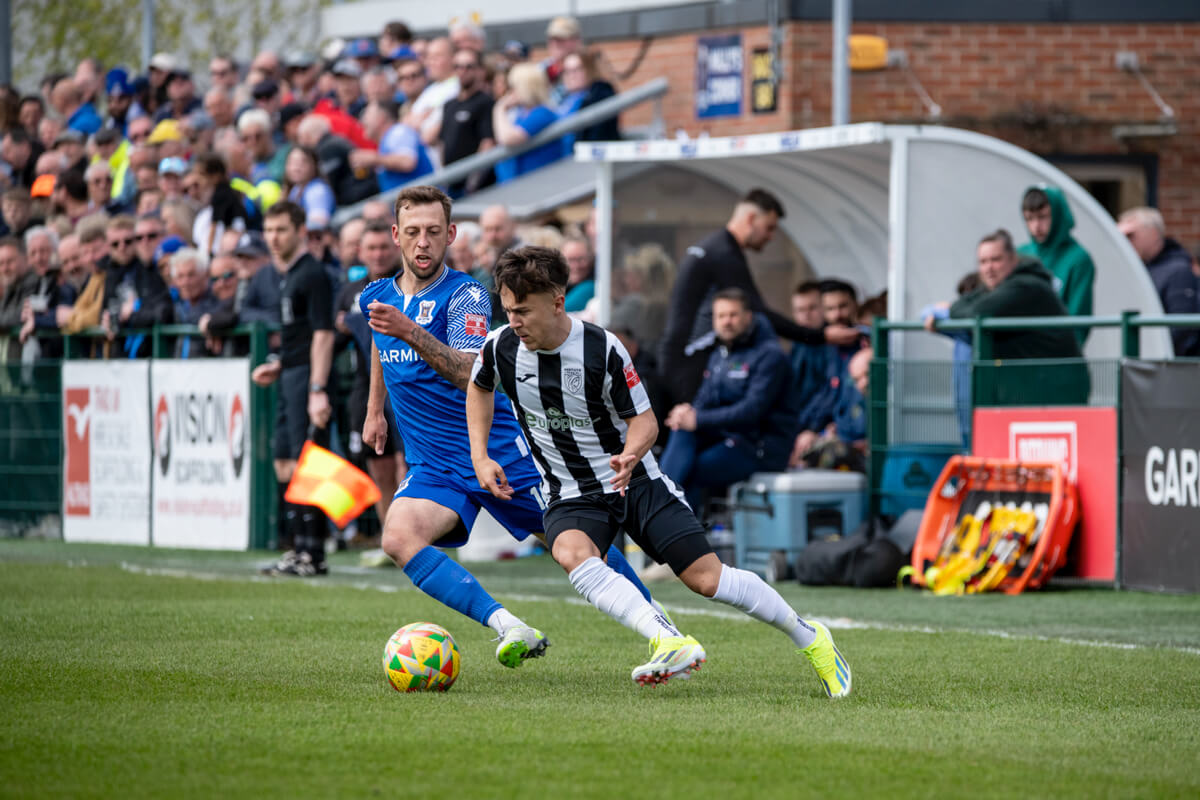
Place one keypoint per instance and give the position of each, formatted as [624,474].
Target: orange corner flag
[332,484]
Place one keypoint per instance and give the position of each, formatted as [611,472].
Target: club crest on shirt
[425,312]
[573,379]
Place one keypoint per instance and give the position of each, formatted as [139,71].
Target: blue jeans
[699,461]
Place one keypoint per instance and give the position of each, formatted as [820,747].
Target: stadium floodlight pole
[5,42]
[604,236]
[147,33]
[841,66]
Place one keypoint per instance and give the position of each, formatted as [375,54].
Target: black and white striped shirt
[572,403]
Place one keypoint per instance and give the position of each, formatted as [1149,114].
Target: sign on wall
[201,457]
[719,76]
[106,437]
[1160,537]
[764,89]
[1085,441]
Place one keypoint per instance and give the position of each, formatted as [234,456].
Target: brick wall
[1052,89]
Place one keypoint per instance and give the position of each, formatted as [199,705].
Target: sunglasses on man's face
[148,237]
[224,276]
[121,242]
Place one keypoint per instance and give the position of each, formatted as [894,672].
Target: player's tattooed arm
[453,365]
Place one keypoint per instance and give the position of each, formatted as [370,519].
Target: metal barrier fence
[31,429]
[918,410]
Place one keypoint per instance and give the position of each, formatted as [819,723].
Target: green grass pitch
[129,672]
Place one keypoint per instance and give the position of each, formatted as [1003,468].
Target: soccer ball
[421,657]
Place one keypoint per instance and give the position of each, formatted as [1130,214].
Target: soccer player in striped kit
[589,425]
[427,324]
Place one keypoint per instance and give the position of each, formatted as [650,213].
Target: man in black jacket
[1170,268]
[719,262]
[135,295]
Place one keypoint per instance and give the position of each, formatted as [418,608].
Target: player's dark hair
[806,287]
[421,196]
[1002,236]
[835,286]
[1034,200]
[733,293]
[531,270]
[764,201]
[286,208]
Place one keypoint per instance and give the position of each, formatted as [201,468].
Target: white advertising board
[106,436]
[201,459]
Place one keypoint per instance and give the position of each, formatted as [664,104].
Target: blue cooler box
[775,514]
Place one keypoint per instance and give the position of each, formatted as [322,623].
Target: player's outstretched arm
[643,430]
[480,409]
[375,429]
[453,365]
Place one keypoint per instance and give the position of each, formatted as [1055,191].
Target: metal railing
[578,121]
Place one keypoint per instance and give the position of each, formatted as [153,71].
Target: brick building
[1042,74]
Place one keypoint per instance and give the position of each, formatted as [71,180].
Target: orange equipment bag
[974,499]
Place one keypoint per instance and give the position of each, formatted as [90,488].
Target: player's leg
[675,533]
[426,511]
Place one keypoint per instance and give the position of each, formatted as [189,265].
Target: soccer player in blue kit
[428,323]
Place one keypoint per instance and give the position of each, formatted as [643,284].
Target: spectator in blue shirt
[520,115]
[68,101]
[401,157]
[303,183]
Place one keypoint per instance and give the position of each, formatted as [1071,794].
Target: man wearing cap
[70,147]
[303,70]
[170,177]
[181,96]
[161,67]
[266,95]
[120,105]
[347,89]
[167,138]
[563,37]
[364,52]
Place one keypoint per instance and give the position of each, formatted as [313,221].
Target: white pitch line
[838,623]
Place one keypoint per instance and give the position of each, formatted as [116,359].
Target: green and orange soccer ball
[421,657]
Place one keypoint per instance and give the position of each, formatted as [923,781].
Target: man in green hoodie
[1018,286]
[1049,221]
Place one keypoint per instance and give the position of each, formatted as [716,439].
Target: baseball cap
[265,89]
[43,186]
[563,28]
[164,62]
[299,59]
[166,247]
[347,68]
[402,53]
[516,49]
[166,130]
[116,82]
[69,135]
[172,166]
[251,245]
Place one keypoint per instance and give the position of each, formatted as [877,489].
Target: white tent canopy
[901,205]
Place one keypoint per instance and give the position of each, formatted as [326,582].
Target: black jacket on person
[154,305]
[715,263]
[1028,291]
[1179,291]
[333,153]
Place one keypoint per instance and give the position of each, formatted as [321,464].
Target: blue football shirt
[430,411]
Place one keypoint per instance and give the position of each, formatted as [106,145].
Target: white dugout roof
[898,205]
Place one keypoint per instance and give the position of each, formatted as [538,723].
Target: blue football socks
[446,581]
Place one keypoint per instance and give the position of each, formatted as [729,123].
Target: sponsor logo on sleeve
[631,376]
[475,324]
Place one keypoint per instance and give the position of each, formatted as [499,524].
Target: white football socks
[617,597]
[501,620]
[748,592]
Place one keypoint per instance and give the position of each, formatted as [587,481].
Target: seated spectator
[71,195]
[255,131]
[519,116]
[581,285]
[843,445]
[742,420]
[808,361]
[218,104]
[333,160]
[181,96]
[839,307]
[99,188]
[192,298]
[400,157]
[466,127]
[305,186]
[16,211]
[1018,286]
[1170,268]
[20,152]
[584,87]
[222,207]
[170,177]
[178,219]
[71,145]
